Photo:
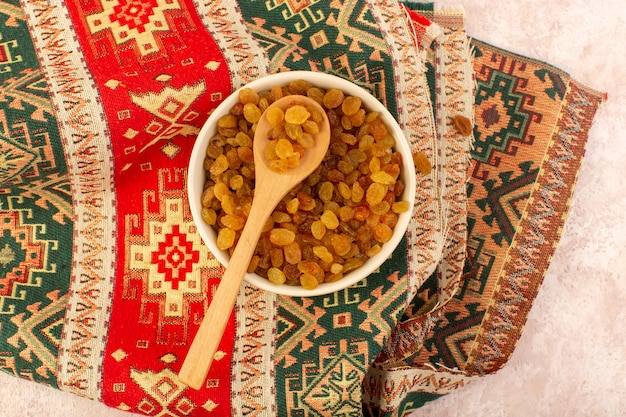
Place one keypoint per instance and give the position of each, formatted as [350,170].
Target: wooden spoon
[270,188]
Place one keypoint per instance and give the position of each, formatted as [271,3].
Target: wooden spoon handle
[206,342]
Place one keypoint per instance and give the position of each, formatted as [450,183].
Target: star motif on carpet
[20,252]
[175,257]
[136,20]
[172,257]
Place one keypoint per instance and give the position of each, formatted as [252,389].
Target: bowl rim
[195,183]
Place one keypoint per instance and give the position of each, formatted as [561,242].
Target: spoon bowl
[282,182]
[197,178]
[270,187]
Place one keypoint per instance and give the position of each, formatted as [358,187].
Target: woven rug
[100,105]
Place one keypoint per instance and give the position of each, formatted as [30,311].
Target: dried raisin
[281,236]
[333,98]
[296,114]
[463,125]
[422,164]
[276,276]
[225,239]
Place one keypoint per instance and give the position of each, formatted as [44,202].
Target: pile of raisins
[332,222]
[291,134]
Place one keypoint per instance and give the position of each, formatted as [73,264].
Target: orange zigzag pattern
[387,393]
[84,329]
[416,117]
[457,99]
[408,336]
[255,341]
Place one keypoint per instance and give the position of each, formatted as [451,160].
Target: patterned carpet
[493,198]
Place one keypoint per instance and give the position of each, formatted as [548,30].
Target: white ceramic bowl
[196,179]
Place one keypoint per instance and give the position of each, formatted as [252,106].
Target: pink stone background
[571,359]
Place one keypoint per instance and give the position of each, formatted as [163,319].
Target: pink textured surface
[571,359]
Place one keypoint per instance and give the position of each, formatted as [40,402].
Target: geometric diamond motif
[184,406]
[171,107]
[162,388]
[501,108]
[170,258]
[170,150]
[175,257]
[119,355]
